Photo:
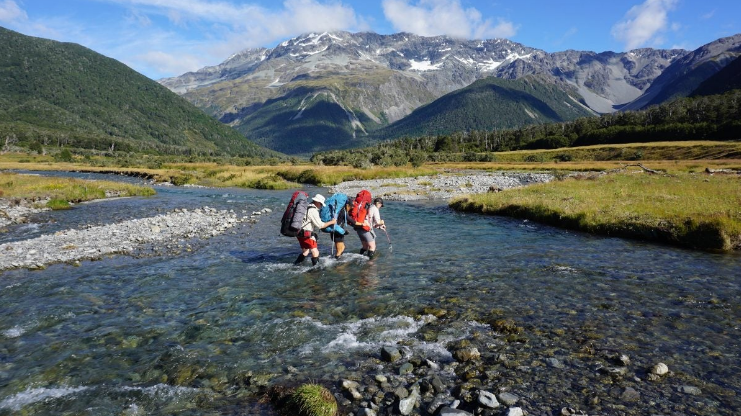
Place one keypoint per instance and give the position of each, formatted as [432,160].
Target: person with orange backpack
[306,236]
[366,231]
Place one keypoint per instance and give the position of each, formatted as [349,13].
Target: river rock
[660,369]
[508,399]
[449,411]
[630,395]
[487,399]
[467,354]
[406,405]
[554,362]
[390,354]
[514,411]
[406,368]
[364,411]
[437,384]
[692,390]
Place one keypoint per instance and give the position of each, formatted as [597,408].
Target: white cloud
[644,23]
[10,12]
[165,63]
[226,27]
[444,17]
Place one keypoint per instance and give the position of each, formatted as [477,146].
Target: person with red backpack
[366,231]
[306,236]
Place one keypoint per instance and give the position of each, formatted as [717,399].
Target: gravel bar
[120,238]
[442,186]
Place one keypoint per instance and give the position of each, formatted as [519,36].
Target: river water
[176,334]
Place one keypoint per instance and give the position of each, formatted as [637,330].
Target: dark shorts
[366,236]
[337,237]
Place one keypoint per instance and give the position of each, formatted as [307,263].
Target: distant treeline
[714,117]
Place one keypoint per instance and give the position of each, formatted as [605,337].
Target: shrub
[314,400]
[36,147]
[57,204]
[534,158]
[64,156]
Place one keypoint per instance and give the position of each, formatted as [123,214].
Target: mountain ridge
[386,77]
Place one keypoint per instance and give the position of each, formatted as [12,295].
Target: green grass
[691,210]
[314,400]
[63,191]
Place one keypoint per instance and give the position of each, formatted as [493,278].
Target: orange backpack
[359,210]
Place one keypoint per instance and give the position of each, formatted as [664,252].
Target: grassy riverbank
[214,174]
[691,210]
[60,192]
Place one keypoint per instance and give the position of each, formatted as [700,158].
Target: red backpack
[359,210]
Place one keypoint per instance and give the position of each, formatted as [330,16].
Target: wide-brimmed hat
[318,198]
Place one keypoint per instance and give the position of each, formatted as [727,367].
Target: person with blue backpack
[336,208]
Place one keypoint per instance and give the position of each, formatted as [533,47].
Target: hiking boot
[300,259]
[371,254]
[314,261]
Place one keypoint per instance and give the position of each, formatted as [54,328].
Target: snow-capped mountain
[364,81]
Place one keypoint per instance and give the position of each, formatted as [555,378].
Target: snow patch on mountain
[425,65]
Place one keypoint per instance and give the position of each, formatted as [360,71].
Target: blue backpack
[331,209]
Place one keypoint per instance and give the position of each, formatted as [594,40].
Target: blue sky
[163,38]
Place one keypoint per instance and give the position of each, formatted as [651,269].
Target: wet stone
[630,395]
[467,354]
[406,368]
[390,354]
[508,399]
[488,399]
[660,369]
[514,411]
[438,384]
[364,411]
[554,362]
[692,390]
[449,411]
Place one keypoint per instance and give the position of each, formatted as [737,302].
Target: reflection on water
[158,335]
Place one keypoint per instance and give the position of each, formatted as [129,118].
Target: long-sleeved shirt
[374,216]
[312,219]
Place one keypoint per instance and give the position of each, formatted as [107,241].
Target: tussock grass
[224,175]
[63,191]
[692,210]
[313,400]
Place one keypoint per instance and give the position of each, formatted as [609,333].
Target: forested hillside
[65,95]
[489,104]
[714,117]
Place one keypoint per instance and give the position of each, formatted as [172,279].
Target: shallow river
[162,335]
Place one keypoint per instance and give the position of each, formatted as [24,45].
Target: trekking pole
[388,238]
[331,235]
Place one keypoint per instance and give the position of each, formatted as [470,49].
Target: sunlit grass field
[692,210]
[63,191]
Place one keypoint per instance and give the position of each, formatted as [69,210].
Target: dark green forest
[55,94]
[489,104]
[712,117]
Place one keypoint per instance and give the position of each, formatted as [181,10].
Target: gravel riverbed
[171,230]
[442,186]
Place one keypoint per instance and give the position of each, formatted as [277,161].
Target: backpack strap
[306,217]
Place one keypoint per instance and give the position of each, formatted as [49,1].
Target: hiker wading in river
[307,237]
[372,220]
